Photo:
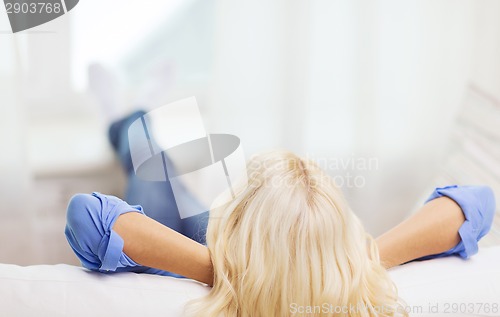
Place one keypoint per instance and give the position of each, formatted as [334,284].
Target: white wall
[327,79]
[347,79]
[14,179]
[247,83]
[486,43]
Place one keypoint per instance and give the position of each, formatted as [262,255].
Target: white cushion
[64,290]
[450,282]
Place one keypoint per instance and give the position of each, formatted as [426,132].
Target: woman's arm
[431,230]
[152,244]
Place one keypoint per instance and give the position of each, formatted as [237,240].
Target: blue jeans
[156,198]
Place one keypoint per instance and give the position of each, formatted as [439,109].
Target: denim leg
[118,137]
[156,198]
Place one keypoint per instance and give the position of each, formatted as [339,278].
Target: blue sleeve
[478,205]
[90,219]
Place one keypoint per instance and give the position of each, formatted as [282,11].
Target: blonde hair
[288,245]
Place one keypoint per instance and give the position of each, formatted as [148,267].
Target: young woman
[288,239]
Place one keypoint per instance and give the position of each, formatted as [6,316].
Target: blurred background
[383,93]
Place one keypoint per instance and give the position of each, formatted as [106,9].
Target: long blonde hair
[288,245]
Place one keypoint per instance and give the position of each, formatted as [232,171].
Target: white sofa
[441,287]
